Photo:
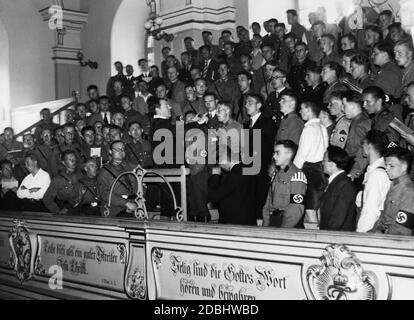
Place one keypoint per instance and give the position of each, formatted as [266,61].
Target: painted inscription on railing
[100,264]
[199,276]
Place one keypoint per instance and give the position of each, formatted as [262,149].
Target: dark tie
[205,69]
[106,119]
[251,123]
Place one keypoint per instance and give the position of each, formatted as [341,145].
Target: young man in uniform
[122,203]
[284,206]
[398,215]
[63,195]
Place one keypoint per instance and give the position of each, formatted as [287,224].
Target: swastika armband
[297,199]
[299,177]
[405,219]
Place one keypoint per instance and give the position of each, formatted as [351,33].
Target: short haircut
[134,122]
[126,96]
[376,92]
[68,125]
[330,37]
[186,53]
[66,153]
[351,38]
[166,48]
[290,35]
[32,156]
[339,95]
[338,156]
[283,72]
[4,163]
[378,140]
[395,25]
[291,94]
[293,12]
[225,105]
[267,44]
[333,65]
[280,25]
[104,98]
[303,44]
[226,31]
[228,43]
[206,32]
[142,60]
[258,97]
[273,20]
[354,97]
[210,94]
[92,87]
[385,13]
[205,47]
[115,142]
[155,67]
[86,129]
[362,60]
[247,74]
[375,29]
[315,108]
[188,39]
[387,47]
[314,69]
[256,24]
[57,129]
[319,22]
[402,155]
[288,144]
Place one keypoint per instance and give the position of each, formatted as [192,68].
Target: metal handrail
[57,112]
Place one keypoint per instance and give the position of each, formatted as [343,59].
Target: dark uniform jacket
[286,198]
[56,162]
[291,128]
[336,86]
[398,215]
[381,122]
[233,195]
[315,95]
[337,205]
[63,192]
[389,79]
[123,191]
[139,153]
[358,130]
[272,106]
[196,106]
[297,74]
[5,150]
[340,132]
[226,91]
[43,125]
[89,201]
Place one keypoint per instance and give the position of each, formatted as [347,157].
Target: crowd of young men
[333,109]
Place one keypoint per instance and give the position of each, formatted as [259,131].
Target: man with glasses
[272,105]
[122,200]
[297,74]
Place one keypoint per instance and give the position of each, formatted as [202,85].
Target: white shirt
[332,177]
[254,118]
[144,97]
[108,115]
[40,180]
[160,117]
[376,186]
[312,144]
[212,114]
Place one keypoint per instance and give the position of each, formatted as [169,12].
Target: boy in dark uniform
[89,201]
[139,150]
[63,195]
[284,206]
[122,203]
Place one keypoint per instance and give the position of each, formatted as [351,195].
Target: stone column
[67,43]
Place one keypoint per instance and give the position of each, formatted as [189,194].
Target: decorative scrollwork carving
[340,276]
[136,286]
[122,253]
[23,245]
[39,269]
[156,257]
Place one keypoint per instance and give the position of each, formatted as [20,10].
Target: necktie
[251,123]
[106,120]
[205,69]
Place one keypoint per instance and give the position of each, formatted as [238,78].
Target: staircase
[22,118]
